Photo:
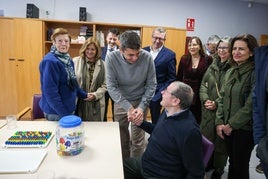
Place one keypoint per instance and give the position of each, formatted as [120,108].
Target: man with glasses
[165,68]
[131,82]
[175,145]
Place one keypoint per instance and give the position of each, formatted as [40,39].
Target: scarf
[65,59]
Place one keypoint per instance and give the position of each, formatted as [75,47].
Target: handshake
[90,97]
[135,115]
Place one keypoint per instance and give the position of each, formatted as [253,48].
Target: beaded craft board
[29,139]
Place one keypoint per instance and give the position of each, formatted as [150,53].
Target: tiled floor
[254,161]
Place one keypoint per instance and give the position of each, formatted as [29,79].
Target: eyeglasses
[159,38]
[223,48]
[171,93]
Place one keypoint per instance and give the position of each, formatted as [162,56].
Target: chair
[36,112]
[208,148]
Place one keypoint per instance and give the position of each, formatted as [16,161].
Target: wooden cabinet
[20,54]
[74,29]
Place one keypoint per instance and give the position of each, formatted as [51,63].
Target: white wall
[221,17]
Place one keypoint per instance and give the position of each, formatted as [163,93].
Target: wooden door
[20,54]
[28,55]
[8,94]
[263,39]
[147,36]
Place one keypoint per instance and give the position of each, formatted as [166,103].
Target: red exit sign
[190,23]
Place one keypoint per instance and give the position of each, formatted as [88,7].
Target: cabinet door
[28,39]
[176,39]
[8,95]
[20,54]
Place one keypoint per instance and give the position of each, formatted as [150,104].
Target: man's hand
[135,116]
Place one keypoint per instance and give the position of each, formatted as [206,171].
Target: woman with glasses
[209,92]
[191,69]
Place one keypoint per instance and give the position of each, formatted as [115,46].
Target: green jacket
[209,90]
[235,103]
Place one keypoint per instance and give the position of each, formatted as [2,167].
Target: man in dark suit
[165,65]
[112,45]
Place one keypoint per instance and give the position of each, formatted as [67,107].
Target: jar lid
[70,121]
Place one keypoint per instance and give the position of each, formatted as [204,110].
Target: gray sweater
[128,82]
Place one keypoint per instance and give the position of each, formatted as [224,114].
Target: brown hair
[59,31]
[199,42]
[89,41]
[251,42]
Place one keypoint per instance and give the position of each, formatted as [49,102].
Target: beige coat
[97,87]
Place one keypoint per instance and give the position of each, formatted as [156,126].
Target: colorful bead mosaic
[29,138]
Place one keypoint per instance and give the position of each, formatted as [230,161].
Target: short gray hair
[226,39]
[162,30]
[185,93]
[213,39]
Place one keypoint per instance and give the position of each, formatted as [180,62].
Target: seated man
[175,145]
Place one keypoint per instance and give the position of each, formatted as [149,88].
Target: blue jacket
[165,68]
[175,147]
[103,52]
[259,95]
[57,97]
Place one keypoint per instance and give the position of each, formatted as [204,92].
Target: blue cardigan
[259,96]
[175,147]
[57,97]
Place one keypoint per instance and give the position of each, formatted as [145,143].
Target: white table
[101,158]
[3,122]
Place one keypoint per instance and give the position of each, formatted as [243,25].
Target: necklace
[195,62]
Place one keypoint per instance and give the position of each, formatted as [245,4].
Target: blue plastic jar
[70,136]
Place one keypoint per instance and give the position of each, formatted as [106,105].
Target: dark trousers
[265,169]
[239,147]
[107,97]
[196,110]
[155,110]
[133,168]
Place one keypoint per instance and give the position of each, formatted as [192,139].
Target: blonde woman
[90,72]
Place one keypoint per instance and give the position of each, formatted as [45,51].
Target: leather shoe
[217,173]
